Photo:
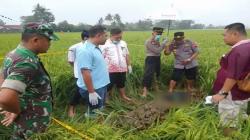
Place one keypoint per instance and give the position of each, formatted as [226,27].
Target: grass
[194,122]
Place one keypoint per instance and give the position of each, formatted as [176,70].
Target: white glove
[209,100]
[130,69]
[93,98]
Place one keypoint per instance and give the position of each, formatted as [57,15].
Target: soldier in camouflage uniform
[26,94]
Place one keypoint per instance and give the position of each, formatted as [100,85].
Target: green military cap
[178,35]
[41,29]
[158,29]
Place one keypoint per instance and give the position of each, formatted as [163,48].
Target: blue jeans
[101,92]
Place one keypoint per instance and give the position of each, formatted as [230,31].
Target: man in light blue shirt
[92,69]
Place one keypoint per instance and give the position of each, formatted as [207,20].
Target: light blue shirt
[90,57]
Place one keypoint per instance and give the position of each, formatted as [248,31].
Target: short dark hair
[94,30]
[115,31]
[84,34]
[238,27]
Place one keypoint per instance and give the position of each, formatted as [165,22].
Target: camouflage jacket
[24,73]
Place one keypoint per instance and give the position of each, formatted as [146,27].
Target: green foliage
[40,14]
[194,122]
[2,22]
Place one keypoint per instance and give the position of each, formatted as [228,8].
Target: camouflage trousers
[231,112]
[25,128]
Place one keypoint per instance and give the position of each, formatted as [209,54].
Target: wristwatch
[189,59]
[223,93]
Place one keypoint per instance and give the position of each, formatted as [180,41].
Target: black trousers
[152,65]
[189,73]
[75,100]
[118,79]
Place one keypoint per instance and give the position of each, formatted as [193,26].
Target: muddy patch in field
[147,114]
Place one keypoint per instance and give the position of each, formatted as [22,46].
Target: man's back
[72,56]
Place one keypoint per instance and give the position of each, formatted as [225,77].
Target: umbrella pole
[169,23]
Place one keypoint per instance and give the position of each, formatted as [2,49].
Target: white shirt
[115,55]
[72,56]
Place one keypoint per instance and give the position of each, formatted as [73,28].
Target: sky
[216,12]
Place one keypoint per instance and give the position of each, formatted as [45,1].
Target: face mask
[115,42]
[157,38]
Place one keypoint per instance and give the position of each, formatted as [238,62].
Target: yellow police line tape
[62,52]
[71,129]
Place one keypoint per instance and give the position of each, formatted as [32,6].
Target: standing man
[185,52]
[234,66]
[93,70]
[26,94]
[153,49]
[116,54]
[72,61]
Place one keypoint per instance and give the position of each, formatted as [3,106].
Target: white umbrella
[169,14]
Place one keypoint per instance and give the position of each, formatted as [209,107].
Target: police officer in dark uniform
[185,52]
[153,49]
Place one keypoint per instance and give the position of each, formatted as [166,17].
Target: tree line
[42,14]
